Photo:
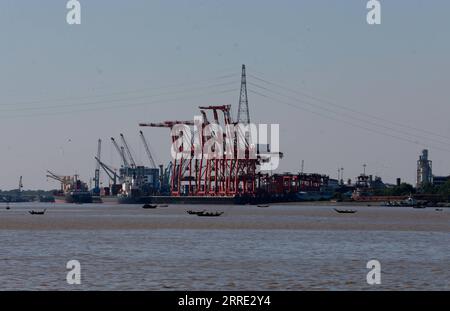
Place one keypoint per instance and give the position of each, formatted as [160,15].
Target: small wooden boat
[439,209]
[146,206]
[190,212]
[209,214]
[345,211]
[33,212]
[263,205]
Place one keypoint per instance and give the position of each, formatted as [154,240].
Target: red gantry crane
[179,163]
[203,175]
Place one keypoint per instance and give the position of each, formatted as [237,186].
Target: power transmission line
[116,100]
[330,103]
[351,116]
[121,105]
[126,92]
[343,120]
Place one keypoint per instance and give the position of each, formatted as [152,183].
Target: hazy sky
[345,93]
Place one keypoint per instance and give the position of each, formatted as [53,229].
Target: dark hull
[84,197]
[198,200]
[175,200]
[239,200]
[345,211]
[77,198]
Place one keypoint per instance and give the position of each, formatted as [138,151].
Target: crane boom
[147,149]
[133,164]
[108,170]
[169,124]
[55,177]
[64,180]
[121,153]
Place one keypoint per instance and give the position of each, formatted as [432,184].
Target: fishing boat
[33,212]
[190,212]
[408,202]
[345,211]
[411,202]
[263,205]
[209,214]
[146,206]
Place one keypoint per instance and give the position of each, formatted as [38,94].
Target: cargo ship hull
[74,197]
[175,200]
[237,200]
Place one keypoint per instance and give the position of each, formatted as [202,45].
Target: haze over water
[248,248]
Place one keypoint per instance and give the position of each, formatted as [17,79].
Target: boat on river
[345,211]
[209,214]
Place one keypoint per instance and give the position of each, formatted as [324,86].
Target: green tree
[429,188]
[444,189]
[402,189]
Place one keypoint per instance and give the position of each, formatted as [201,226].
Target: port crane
[147,149]
[111,172]
[19,189]
[56,177]
[217,176]
[64,180]
[121,152]
[20,185]
[228,174]
[133,163]
[178,166]
[97,169]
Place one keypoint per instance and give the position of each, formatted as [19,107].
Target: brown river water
[282,247]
